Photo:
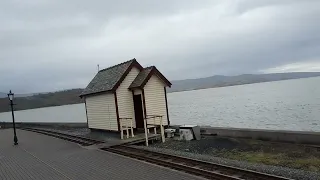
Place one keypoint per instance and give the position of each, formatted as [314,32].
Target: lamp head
[10,95]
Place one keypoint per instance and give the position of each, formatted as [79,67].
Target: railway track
[192,166]
[76,139]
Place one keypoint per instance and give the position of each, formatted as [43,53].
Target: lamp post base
[15,139]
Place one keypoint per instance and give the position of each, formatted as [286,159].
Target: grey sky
[48,45]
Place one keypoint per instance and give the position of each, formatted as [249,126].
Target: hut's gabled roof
[110,78]
[143,77]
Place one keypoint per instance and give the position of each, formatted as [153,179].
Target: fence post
[146,131]
[162,130]
[132,135]
[127,128]
[121,131]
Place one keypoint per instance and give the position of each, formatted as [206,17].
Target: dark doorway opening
[138,111]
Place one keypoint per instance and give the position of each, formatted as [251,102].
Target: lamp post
[11,96]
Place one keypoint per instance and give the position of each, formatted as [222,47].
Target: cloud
[295,67]
[52,45]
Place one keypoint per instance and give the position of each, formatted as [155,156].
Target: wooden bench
[126,125]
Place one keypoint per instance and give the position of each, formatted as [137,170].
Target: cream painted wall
[124,96]
[101,111]
[155,98]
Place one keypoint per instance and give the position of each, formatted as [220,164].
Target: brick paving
[43,157]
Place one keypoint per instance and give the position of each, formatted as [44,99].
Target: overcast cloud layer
[48,45]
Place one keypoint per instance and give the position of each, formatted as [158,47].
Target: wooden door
[138,110]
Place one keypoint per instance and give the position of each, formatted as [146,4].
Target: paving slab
[43,157]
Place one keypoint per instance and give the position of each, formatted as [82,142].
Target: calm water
[287,105]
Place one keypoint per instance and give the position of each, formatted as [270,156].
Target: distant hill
[221,81]
[2,95]
[43,100]
[72,96]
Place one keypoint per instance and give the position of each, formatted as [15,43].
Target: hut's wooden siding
[101,110]
[125,98]
[155,98]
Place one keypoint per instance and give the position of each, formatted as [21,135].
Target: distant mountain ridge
[222,81]
[3,95]
[71,96]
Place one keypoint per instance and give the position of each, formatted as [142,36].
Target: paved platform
[110,138]
[43,157]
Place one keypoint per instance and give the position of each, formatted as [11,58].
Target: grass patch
[304,162]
